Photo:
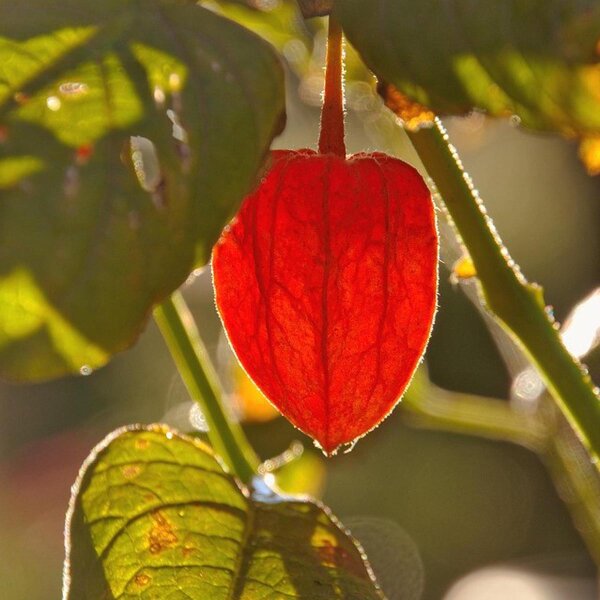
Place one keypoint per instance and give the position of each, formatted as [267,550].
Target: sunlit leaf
[155,516]
[280,23]
[536,59]
[128,135]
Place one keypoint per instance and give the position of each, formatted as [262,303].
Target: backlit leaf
[537,59]
[129,132]
[155,516]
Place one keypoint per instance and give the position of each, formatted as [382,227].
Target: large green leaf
[154,515]
[537,59]
[96,227]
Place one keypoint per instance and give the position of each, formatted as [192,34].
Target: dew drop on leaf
[159,96]
[145,163]
[53,103]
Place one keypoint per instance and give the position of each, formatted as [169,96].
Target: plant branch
[177,325]
[430,406]
[518,304]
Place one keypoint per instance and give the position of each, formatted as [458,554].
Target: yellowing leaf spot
[337,557]
[161,536]
[141,444]
[187,550]
[131,471]
[331,553]
[142,579]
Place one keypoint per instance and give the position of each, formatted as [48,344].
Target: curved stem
[432,407]
[331,137]
[518,305]
[191,358]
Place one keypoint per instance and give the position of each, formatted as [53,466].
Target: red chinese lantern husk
[326,281]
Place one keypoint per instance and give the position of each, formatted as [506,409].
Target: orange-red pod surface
[326,283]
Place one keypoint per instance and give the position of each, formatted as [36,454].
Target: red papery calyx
[326,283]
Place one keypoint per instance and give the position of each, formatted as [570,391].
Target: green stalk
[518,304]
[429,406]
[177,325]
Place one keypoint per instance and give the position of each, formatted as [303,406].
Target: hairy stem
[191,358]
[331,137]
[518,305]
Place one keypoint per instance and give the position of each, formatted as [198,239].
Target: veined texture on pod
[326,283]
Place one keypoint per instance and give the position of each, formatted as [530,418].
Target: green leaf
[154,515]
[97,224]
[536,59]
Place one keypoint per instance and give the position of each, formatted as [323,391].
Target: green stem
[517,304]
[427,405]
[183,340]
[331,136]
[577,480]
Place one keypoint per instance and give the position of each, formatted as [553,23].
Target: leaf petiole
[178,327]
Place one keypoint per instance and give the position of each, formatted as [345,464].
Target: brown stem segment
[331,137]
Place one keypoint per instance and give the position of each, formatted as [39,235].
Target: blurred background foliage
[452,512]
